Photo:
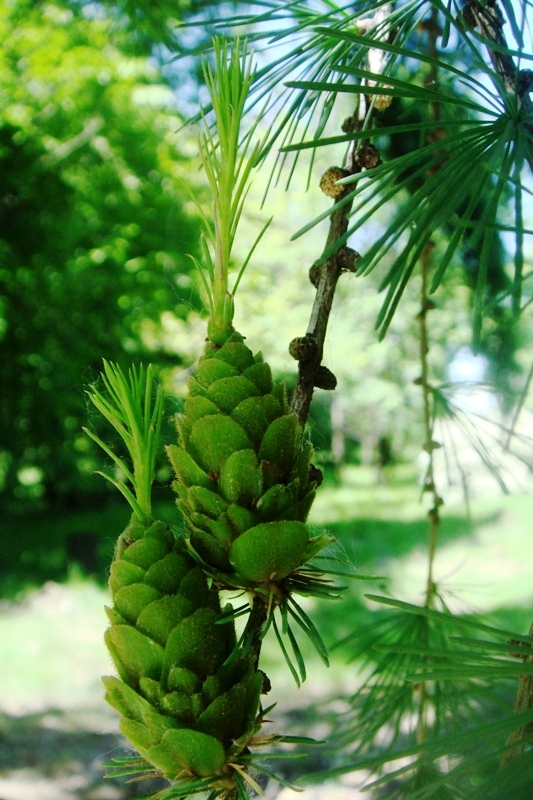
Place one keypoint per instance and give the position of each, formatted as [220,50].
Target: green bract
[242,471]
[183,701]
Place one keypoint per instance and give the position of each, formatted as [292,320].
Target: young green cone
[243,468]
[188,702]
[187,693]
[243,465]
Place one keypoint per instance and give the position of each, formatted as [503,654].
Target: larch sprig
[228,157]
[244,477]
[126,403]
[188,693]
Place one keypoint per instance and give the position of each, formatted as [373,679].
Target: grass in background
[382,530]
[52,651]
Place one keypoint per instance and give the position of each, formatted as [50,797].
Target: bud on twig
[303,348]
[328,182]
[368,156]
[347,259]
[325,379]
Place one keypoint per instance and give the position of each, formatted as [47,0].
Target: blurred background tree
[95,228]
[89,145]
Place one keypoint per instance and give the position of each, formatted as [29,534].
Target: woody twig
[324,274]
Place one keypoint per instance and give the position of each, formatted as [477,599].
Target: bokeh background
[97,227]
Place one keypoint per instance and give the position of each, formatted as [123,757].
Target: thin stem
[433,31]
[429,444]
[426,305]
[330,271]
[429,482]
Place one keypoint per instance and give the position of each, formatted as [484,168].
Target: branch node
[314,274]
[328,182]
[367,157]
[347,259]
[303,348]
[351,124]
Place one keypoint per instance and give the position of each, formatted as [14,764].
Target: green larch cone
[242,469]
[188,699]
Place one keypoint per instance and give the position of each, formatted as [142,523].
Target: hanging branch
[430,445]
[489,19]
[426,305]
[429,482]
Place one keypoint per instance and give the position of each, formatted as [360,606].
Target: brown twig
[308,350]
[489,19]
[429,482]
[324,275]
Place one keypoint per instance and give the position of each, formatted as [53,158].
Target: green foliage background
[95,225]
